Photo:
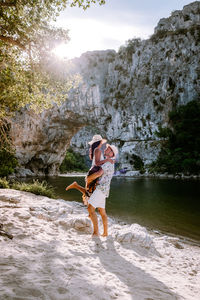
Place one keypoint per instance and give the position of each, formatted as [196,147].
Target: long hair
[93,147]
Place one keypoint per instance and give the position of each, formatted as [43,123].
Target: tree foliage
[73,162]
[26,40]
[180,149]
[29,73]
[8,161]
[138,163]
[24,22]
[129,49]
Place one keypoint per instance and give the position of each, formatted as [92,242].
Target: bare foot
[95,234]
[104,234]
[85,201]
[71,186]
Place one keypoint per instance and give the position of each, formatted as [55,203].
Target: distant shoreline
[138,175]
[128,174]
[73,174]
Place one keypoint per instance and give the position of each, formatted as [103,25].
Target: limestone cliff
[124,96]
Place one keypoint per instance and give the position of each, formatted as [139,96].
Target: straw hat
[114,149]
[97,138]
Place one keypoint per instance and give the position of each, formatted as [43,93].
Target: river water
[170,206]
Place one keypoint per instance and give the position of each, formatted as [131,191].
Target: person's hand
[112,161]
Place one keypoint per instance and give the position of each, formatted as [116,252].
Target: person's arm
[90,154]
[93,176]
[99,162]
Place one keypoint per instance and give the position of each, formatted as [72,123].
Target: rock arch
[127,99]
[41,140]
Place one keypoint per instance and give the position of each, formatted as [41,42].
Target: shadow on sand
[139,284]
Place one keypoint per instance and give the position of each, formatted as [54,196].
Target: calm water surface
[171,206]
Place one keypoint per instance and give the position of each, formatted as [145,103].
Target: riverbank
[73,174]
[26,173]
[52,255]
[137,174]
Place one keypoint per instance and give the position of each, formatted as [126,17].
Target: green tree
[8,162]
[26,40]
[25,23]
[73,162]
[29,74]
[181,144]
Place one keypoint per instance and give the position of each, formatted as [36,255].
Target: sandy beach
[53,256]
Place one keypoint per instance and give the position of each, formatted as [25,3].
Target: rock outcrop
[125,96]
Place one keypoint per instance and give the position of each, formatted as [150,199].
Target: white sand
[52,256]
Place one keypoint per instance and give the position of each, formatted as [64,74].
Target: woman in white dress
[97,158]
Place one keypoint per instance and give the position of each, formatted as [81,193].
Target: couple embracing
[98,181]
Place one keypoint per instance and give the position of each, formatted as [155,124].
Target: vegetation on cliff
[73,162]
[180,148]
[193,30]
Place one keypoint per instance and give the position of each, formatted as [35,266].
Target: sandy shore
[52,256]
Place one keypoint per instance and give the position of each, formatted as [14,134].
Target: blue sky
[111,25]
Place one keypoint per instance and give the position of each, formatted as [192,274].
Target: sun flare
[92,35]
[64,51]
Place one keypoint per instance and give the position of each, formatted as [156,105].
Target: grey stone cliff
[124,96]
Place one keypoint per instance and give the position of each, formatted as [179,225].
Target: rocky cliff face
[124,96]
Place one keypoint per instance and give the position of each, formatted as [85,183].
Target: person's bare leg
[79,188]
[85,199]
[94,220]
[104,217]
[76,186]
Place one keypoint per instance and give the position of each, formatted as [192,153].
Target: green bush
[180,149]
[137,163]
[73,162]
[37,188]
[8,162]
[163,132]
[4,184]
[131,47]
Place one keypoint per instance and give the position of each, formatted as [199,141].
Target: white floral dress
[105,180]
